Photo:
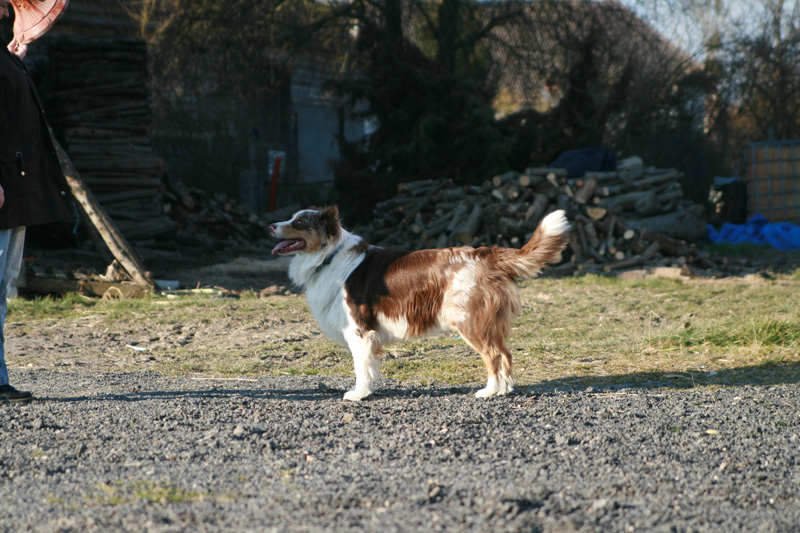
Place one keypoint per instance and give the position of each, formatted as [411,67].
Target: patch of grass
[69,305]
[575,331]
[108,494]
[166,493]
[52,499]
[121,493]
[758,331]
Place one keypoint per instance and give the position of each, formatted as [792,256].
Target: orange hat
[32,18]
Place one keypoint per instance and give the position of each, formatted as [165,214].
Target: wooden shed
[772,175]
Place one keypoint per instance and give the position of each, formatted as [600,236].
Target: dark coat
[34,186]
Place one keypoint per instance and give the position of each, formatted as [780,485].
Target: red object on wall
[273,183]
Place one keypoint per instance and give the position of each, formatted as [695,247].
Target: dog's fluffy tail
[545,246]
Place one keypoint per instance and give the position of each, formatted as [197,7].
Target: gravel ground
[143,452]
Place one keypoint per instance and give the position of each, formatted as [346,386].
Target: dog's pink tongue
[283,245]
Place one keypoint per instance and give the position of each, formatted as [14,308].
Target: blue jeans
[12,242]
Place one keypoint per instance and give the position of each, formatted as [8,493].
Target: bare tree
[752,49]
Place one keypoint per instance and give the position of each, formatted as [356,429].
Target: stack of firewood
[212,221]
[97,99]
[631,217]
[648,198]
[99,108]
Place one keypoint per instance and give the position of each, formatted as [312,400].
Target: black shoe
[10,394]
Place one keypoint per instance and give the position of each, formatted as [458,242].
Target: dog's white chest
[328,306]
[325,292]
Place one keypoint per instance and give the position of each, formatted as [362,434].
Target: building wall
[319,117]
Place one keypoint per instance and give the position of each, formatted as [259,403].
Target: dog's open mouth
[289,246]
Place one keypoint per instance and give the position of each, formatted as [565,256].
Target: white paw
[486,393]
[505,385]
[505,388]
[355,396]
[495,387]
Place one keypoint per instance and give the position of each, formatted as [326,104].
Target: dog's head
[308,231]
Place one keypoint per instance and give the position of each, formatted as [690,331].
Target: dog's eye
[303,225]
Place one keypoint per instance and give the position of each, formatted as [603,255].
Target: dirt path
[142,452]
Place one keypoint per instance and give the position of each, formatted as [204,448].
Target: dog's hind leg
[365,346]
[487,337]
[498,365]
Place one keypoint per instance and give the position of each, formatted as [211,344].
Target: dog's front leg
[365,346]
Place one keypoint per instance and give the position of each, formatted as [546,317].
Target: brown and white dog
[365,296]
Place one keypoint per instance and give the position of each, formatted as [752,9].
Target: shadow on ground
[766,374]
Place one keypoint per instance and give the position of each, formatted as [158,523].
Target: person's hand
[2,196]
[17,49]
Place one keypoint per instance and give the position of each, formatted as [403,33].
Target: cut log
[512,193]
[648,205]
[126,196]
[609,231]
[412,186]
[668,245]
[474,220]
[503,179]
[632,261]
[657,179]
[468,231]
[530,180]
[627,201]
[596,213]
[545,171]
[682,224]
[591,235]
[651,251]
[106,183]
[535,211]
[437,226]
[583,194]
[458,215]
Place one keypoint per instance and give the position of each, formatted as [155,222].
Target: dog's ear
[329,219]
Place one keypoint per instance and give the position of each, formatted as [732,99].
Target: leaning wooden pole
[109,232]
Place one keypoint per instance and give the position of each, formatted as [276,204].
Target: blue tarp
[578,161]
[780,235]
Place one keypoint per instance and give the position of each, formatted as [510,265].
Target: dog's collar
[328,260]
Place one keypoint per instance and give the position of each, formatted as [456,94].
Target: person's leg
[12,242]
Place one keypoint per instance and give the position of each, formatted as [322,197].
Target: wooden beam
[109,232]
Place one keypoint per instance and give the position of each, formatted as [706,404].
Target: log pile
[632,217]
[212,221]
[98,105]
[97,99]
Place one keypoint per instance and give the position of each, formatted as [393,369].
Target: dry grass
[576,332]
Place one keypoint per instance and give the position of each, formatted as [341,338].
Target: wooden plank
[37,285]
